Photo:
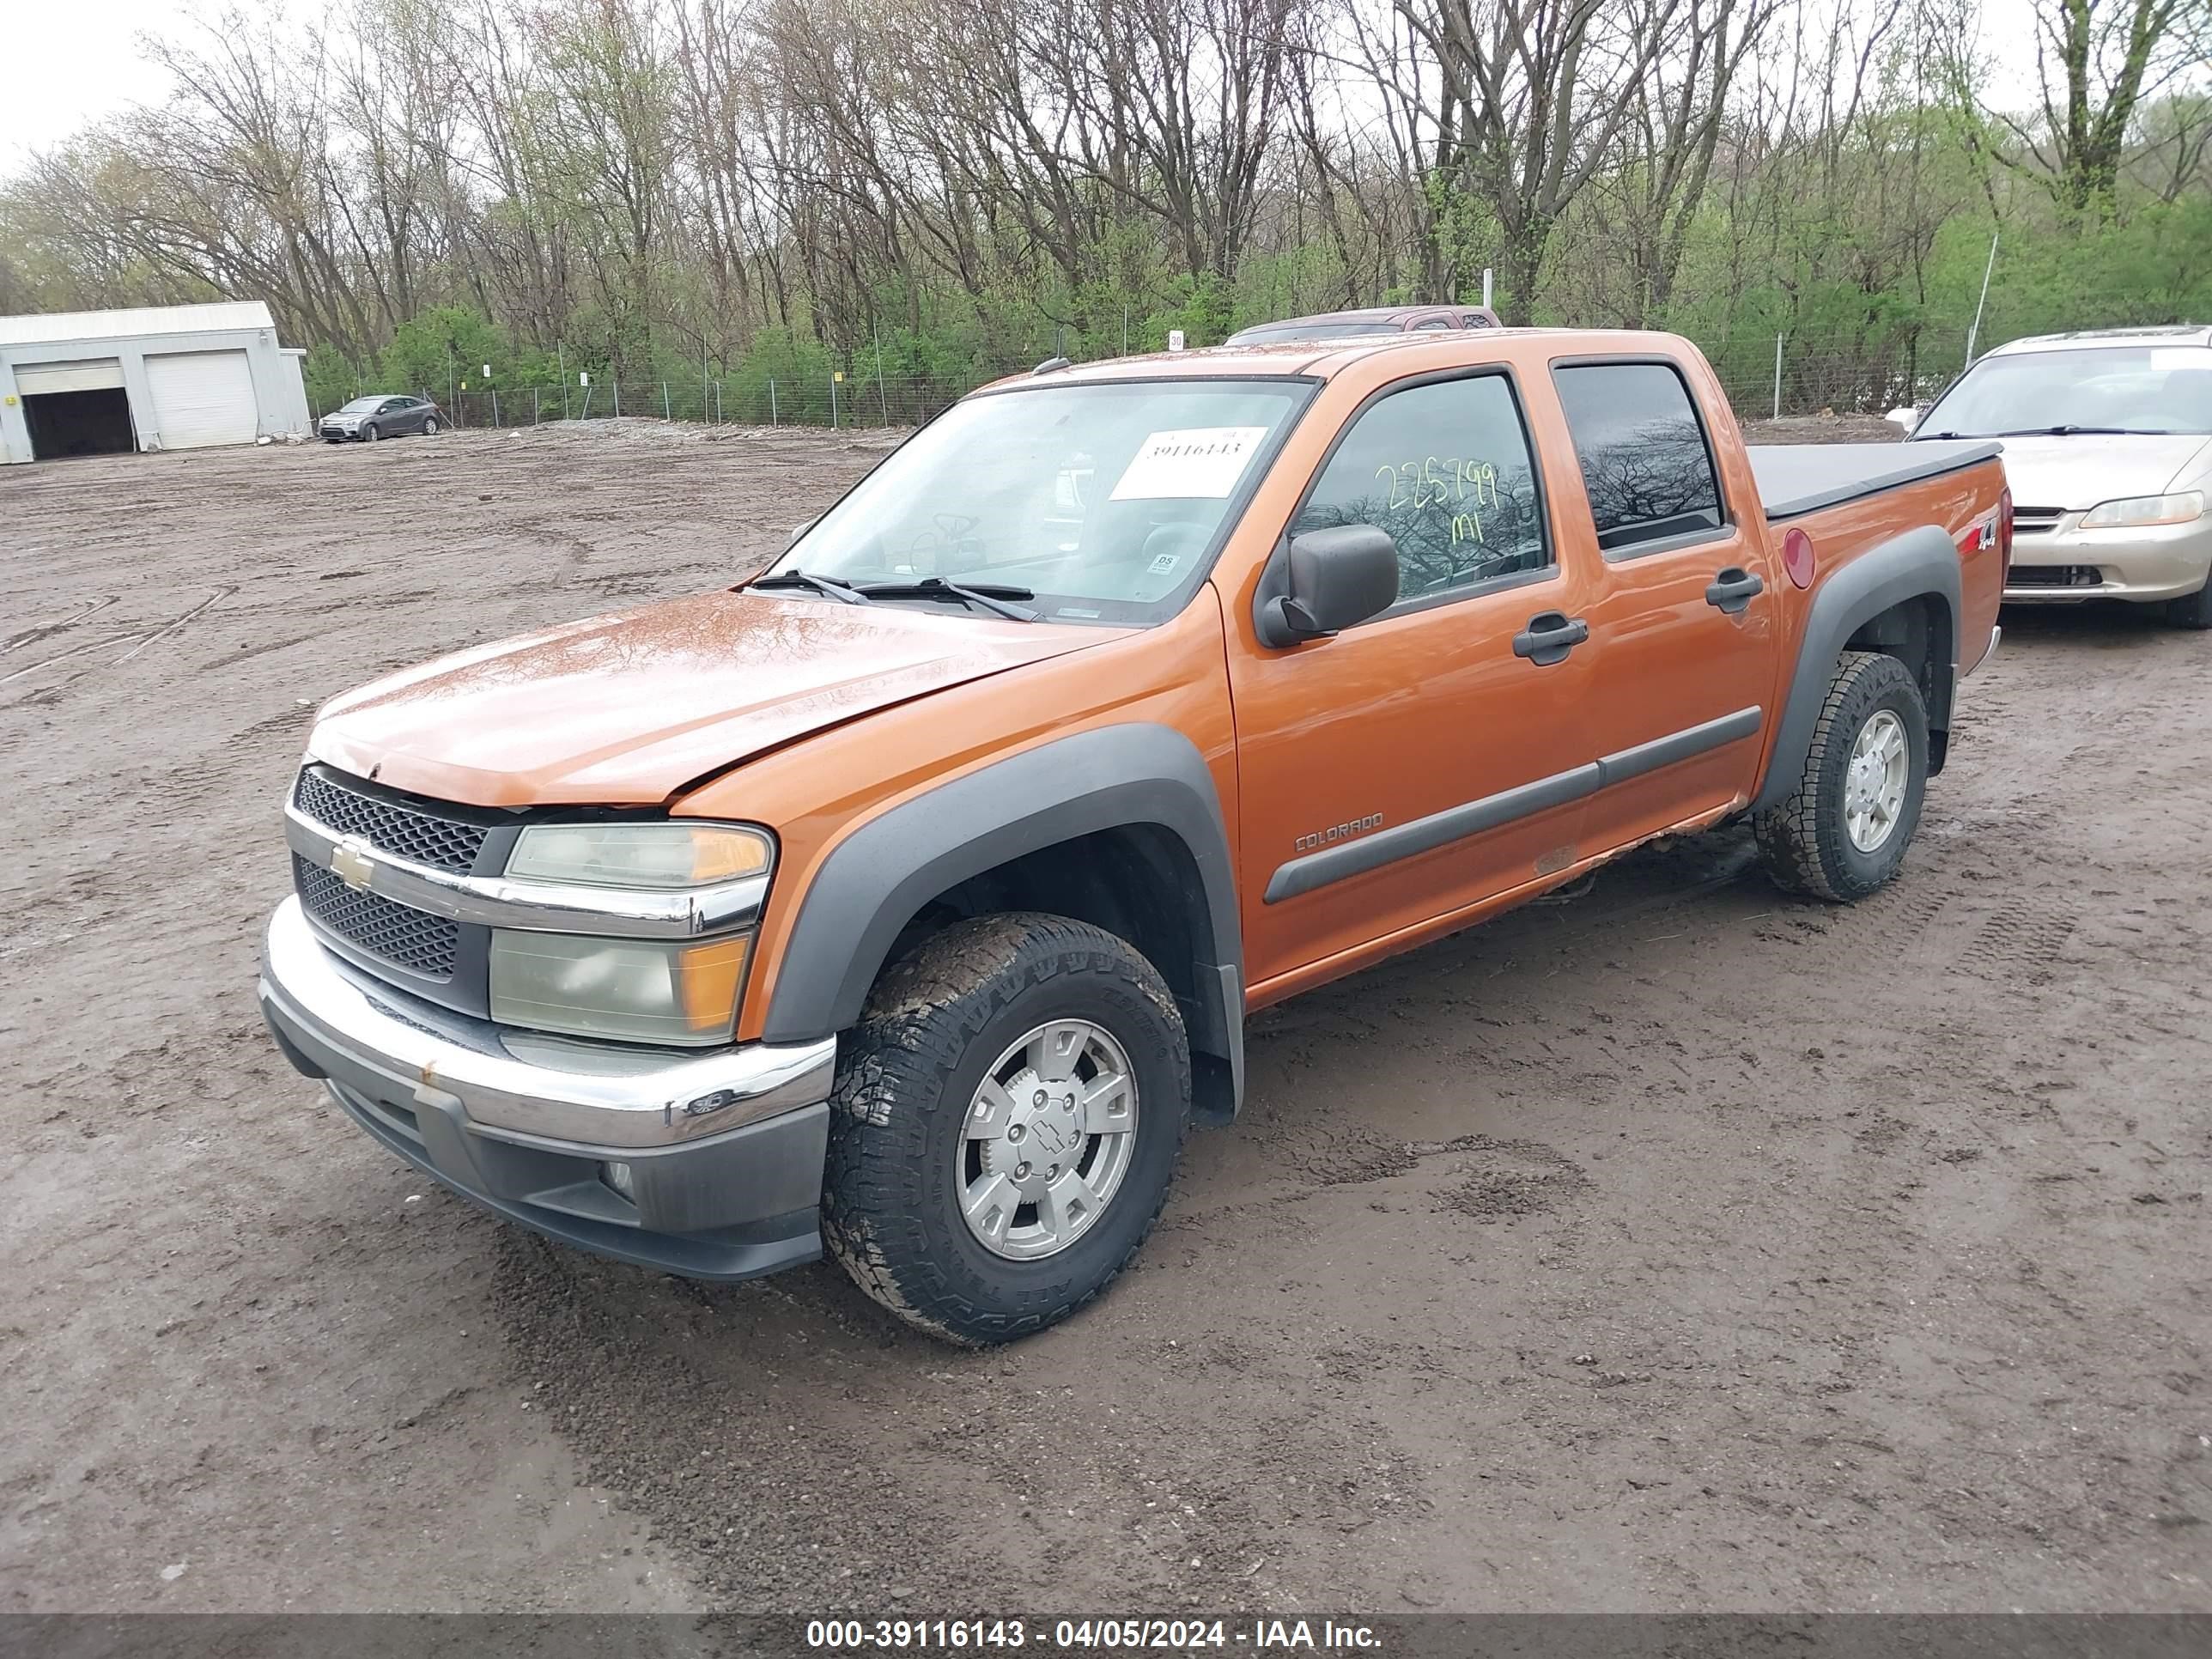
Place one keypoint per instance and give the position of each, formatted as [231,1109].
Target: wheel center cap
[1864,776]
[1042,1135]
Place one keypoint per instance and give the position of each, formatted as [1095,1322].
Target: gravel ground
[1674,1245]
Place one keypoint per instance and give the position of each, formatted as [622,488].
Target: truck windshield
[2106,389]
[1104,501]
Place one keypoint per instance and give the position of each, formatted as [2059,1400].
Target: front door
[1681,609]
[1419,763]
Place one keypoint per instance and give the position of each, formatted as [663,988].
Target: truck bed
[1796,478]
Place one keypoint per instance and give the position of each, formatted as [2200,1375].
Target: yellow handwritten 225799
[1436,481]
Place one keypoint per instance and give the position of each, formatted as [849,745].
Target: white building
[170,376]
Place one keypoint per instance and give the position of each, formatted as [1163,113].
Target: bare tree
[2097,62]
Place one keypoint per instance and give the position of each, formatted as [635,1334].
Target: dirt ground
[1674,1245]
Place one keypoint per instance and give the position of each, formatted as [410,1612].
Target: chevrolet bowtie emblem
[350,863]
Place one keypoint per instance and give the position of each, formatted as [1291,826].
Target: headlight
[660,857]
[2137,512]
[630,990]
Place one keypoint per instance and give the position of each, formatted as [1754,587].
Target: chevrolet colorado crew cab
[910,897]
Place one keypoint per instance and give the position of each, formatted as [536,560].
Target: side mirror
[1904,419]
[797,531]
[1335,578]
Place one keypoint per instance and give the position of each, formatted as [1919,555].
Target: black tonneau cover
[1796,478]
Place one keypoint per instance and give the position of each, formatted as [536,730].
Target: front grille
[406,832]
[2054,575]
[413,940]
[2036,521]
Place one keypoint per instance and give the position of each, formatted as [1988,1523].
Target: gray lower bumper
[708,1202]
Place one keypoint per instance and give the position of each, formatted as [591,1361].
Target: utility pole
[1974,332]
[883,401]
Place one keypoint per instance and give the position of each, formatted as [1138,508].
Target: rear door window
[1645,459]
[1445,467]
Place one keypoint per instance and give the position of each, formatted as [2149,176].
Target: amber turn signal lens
[722,854]
[709,975]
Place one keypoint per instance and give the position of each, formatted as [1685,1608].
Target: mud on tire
[935,1022]
[1805,841]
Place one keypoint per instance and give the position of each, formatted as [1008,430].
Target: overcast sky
[71,61]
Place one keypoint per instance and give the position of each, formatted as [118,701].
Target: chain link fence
[1772,376]
[1763,375]
[737,400]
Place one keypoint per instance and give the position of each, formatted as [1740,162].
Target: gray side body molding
[1405,840]
[1919,563]
[877,877]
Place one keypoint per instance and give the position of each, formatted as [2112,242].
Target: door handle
[1732,589]
[1549,636]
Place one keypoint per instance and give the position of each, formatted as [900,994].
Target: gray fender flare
[1921,563]
[876,879]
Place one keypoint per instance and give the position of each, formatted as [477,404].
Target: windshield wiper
[984,595]
[843,593]
[2078,432]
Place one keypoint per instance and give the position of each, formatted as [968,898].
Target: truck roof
[1324,359]
[2181,334]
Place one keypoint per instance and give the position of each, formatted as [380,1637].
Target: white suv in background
[2108,446]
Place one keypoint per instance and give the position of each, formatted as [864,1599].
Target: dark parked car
[371,418]
[1374,319]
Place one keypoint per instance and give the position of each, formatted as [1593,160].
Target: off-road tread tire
[2191,610]
[914,1057]
[1803,842]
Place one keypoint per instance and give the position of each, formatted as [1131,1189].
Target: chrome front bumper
[724,1149]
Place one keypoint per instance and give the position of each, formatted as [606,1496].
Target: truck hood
[2069,474]
[625,710]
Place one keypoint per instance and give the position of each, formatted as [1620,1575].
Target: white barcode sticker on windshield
[1197,461]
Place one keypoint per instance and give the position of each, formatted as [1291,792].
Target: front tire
[1843,833]
[1004,1126]
[369,434]
[2194,612]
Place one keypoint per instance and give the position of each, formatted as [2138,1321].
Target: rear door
[1681,615]
[202,397]
[1415,765]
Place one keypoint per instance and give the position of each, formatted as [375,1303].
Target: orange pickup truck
[911,897]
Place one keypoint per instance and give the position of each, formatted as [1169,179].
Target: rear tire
[939,1106]
[430,427]
[2193,611]
[1843,833]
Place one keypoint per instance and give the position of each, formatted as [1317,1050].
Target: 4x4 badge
[350,863]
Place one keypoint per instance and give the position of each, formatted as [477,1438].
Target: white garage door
[202,397]
[35,380]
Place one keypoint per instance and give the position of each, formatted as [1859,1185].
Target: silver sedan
[2108,447]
